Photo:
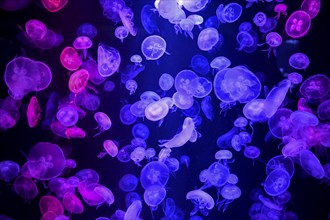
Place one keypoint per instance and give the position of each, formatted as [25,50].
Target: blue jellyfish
[153,47]
[154,173]
[128,182]
[200,64]
[125,115]
[149,19]
[8,170]
[202,201]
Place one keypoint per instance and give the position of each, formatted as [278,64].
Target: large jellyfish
[315,87]
[103,120]
[153,47]
[312,7]
[298,24]
[202,201]
[108,59]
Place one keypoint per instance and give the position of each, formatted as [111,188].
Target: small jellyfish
[50,203]
[121,32]
[172,164]
[245,26]
[72,203]
[134,210]
[202,201]
[241,122]
[219,63]
[131,85]
[183,80]
[35,29]
[70,59]
[273,40]
[140,130]
[323,110]
[270,25]
[33,112]
[182,101]
[280,9]
[207,107]
[154,195]
[312,7]
[280,124]
[103,120]
[231,12]
[126,16]
[153,47]
[299,61]
[185,25]
[54,6]
[78,81]
[108,59]
[295,78]
[149,19]
[94,76]
[67,116]
[315,87]
[83,43]
[184,159]
[110,148]
[298,24]
[311,164]
[244,39]
[154,173]
[166,81]
[208,39]
[87,29]
[277,182]
[150,153]
[136,59]
[128,182]
[8,170]
[196,19]
[200,64]
[91,102]
[109,86]
[223,155]
[229,192]
[126,116]
[213,22]
[25,187]
[251,152]
[75,132]
[88,176]
[260,19]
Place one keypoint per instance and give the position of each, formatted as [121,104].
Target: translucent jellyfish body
[315,87]
[149,19]
[166,81]
[126,116]
[312,7]
[126,16]
[128,182]
[277,182]
[311,164]
[154,195]
[251,152]
[280,9]
[183,82]
[35,29]
[87,29]
[33,112]
[280,124]
[121,32]
[70,59]
[153,47]
[298,24]
[108,59]
[244,39]
[220,63]
[299,61]
[8,170]
[185,25]
[207,107]
[25,187]
[260,19]
[131,85]
[103,120]
[230,12]
[200,64]
[83,43]
[92,68]
[195,5]
[323,110]
[295,78]
[52,6]
[67,116]
[110,148]
[50,203]
[72,203]
[156,111]
[229,192]
[203,202]
[154,173]
[255,110]
[78,81]
[208,39]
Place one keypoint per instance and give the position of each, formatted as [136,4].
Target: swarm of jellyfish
[164,109]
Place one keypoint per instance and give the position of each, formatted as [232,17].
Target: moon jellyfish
[315,87]
[277,182]
[294,147]
[172,164]
[154,195]
[110,148]
[33,112]
[153,47]
[223,155]
[207,107]
[208,39]
[91,102]
[166,81]
[134,210]
[140,130]
[70,59]
[54,6]
[131,85]
[88,176]
[25,187]
[241,122]
[183,82]
[195,5]
[83,43]
[302,118]
[311,164]
[185,25]
[260,19]
[212,21]
[182,101]
[136,59]
[156,111]
[201,87]
[251,152]
[200,64]
[280,124]
[154,173]
[35,29]
[121,33]
[219,63]
[271,24]
[255,110]
[128,182]
[109,86]
[196,19]
[103,120]
[312,7]
[78,81]
[202,201]
[280,9]
[323,110]
[50,203]
[273,39]
[72,203]
[108,59]
[87,29]
[67,116]
[229,192]
[244,39]
[299,61]
[8,170]
[298,24]
[231,12]
[126,16]
[245,26]
[295,78]
[111,9]
[149,19]
[92,68]
[126,116]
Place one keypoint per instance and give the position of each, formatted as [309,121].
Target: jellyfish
[183,80]
[298,24]
[273,40]
[312,7]
[10,5]
[109,86]
[196,19]
[277,182]
[229,193]
[207,107]
[87,29]
[35,29]
[323,110]
[280,124]
[219,63]
[130,71]
[201,87]
[72,203]
[166,81]
[136,59]
[251,152]
[110,147]
[241,122]
[154,173]
[231,12]
[270,25]
[128,182]
[60,186]
[124,154]
[293,147]
[209,39]
[50,40]
[154,195]
[111,9]
[245,26]
[213,22]
[94,76]
[88,176]
[8,170]
[200,64]
[126,16]
[280,9]
[140,130]
[54,6]
[134,210]
[295,78]
[255,110]
[302,118]
[149,19]
[50,203]
[185,160]
[223,155]
[83,43]
[315,87]
[70,59]
[121,32]
[182,101]
[103,120]
[311,164]
[153,47]
[75,132]
[33,112]
[232,179]
[283,198]
[216,175]
[269,203]
[138,154]
[108,59]
[67,116]
[91,102]
[202,201]
[185,25]
[260,19]
[25,187]
[299,61]
[195,5]
[244,39]
[126,116]
[193,111]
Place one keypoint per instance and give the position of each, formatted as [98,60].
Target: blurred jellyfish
[185,25]
[74,132]
[323,110]
[94,76]
[184,159]
[193,111]
[33,112]
[154,173]
[209,39]
[91,102]
[295,78]
[110,147]
[78,81]
[83,43]
[88,176]
[108,59]
[25,187]
[130,71]
[213,22]
[255,110]
[312,7]
[277,182]
[128,182]
[202,201]
[280,162]
[244,39]
[35,29]
[183,80]
[311,164]
[196,19]
[126,116]
[270,25]
[70,59]
[153,47]
[87,29]
[260,19]
[207,107]
[298,24]
[72,203]
[52,6]
[134,210]
[166,81]
[195,5]
[148,19]
[109,86]
[111,9]
[50,203]
[240,122]
[8,170]
[136,59]
[154,195]
[251,152]
[245,26]
[315,87]
[280,124]
[126,16]
[299,61]
[150,153]
[121,33]
[200,64]
[138,154]
[104,122]
[140,130]
[172,164]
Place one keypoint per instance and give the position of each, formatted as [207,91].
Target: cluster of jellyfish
[196,89]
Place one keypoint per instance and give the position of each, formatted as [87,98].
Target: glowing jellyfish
[54,6]
[94,76]
[208,39]
[295,78]
[8,170]
[50,203]
[251,152]
[131,85]
[67,116]
[72,203]
[193,111]
[315,87]
[108,59]
[323,110]
[166,81]
[231,12]
[75,132]
[202,201]
[154,195]
[88,176]
[207,107]
[311,164]
[83,43]
[50,40]
[111,9]
[154,173]
[183,80]
[140,130]
[185,160]
[240,122]
[223,155]
[134,210]
[126,16]
[109,86]
[121,33]
[185,25]
[136,59]
[201,87]
[126,116]
[33,112]
[182,101]
[25,187]
[299,61]
[277,182]
[244,39]
[87,29]
[195,5]
[245,26]
[128,182]
[232,179]
[213,22]
[70,59]
[200,64]
[35,29]
[312,7]
[269,203]
[156,111]
[103,121]
[110,148]
[255,110]
[298,24]
[280,124]
[91,102]
[196,19]
[149,19]
[260,19]
[280,9]
[302,118]
[172,164]
[229,192]
[138,108]
[216,175]
[78,81]
[294,147]
[153,47]
[219,63]
[270,25]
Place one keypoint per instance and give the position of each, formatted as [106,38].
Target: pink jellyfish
[70,59]
[298,24]
[75,132]
[110,147]
[280,9]
[54,5]
[312,7]
[83,43]
[50,203]
[33,112]
[104,122]
[72,203]
[35,29]
[25,187]
[78,81]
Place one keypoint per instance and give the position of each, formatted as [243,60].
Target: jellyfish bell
[35,29]
[54,6]
[70,59]
[154,173]
[78,81]
[108,59]
[121,32]
[202,200]
[311,164]
[312,7]
[33,112]
[209,39]
[231,12]
[153,47]
[315,87]
[103,121]
[219,63]
[298,24]
[277,182]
